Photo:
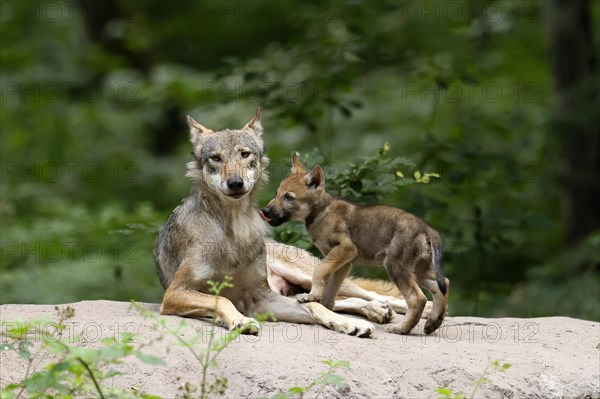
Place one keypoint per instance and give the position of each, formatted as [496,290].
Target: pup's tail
[437,254]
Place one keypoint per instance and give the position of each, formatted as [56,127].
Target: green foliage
[328,377]
[493,365]
[76,371]
[94,136]
[371,179]
[104,252]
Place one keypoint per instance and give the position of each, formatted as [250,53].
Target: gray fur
[216,232]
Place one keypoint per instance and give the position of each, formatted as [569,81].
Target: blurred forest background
[498,98]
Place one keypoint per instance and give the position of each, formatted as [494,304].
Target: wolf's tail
[437,254]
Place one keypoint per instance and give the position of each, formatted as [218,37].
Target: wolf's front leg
[182,300]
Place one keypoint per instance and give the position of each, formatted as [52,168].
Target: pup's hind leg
[401,269]
[415,300]
[440,302]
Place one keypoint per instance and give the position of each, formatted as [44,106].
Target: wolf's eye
[216,158]
[245,154]
[288,197]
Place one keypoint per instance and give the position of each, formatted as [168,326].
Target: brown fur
[409,249]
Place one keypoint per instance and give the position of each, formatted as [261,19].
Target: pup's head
[296,195]
[231,163]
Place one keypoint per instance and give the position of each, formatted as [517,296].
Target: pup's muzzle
[274,219]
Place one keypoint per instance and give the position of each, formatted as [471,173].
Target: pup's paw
[247,325]
[379,312]
[310,297]
[360,328]
[432,325]
[400,328]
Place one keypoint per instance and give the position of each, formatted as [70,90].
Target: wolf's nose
[235,184]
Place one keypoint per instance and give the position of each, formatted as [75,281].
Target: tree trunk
[573,60]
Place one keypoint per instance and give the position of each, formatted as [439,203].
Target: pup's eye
[288,197]
[216,158]
[245,154]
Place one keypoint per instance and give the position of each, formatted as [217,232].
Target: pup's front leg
[320,277]
[329,275]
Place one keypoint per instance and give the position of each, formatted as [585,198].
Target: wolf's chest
[228,245]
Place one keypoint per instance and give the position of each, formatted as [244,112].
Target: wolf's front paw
[310,297]
[379,312]
[247,325]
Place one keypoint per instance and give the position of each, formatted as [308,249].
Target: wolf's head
[230,163]
[296,196]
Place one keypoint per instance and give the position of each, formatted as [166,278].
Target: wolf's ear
[315,179]
[196,129]
[297,166]
[254,123]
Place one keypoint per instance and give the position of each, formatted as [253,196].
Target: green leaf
[40,381]
[113,373]
[290,393]
[149,359]
[331,379]
[114,351]
[337,363]
[6,394]
[7,347]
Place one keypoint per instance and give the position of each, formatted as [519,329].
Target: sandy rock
[550,357]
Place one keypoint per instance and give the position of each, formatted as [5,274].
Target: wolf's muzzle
[235,184]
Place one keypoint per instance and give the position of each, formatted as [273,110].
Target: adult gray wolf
[216,232]
[409,249]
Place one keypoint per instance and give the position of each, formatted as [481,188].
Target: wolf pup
[406,246]
[217,232]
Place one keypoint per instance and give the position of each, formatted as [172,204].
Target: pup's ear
[297,166]
[315,179]
[254,123]
[196,129]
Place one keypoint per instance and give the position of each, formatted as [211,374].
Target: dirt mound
[550,357]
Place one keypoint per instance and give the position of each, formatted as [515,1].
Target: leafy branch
[328,377]
[493,365]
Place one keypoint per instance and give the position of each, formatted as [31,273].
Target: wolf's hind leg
[374,311]
[289,310]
